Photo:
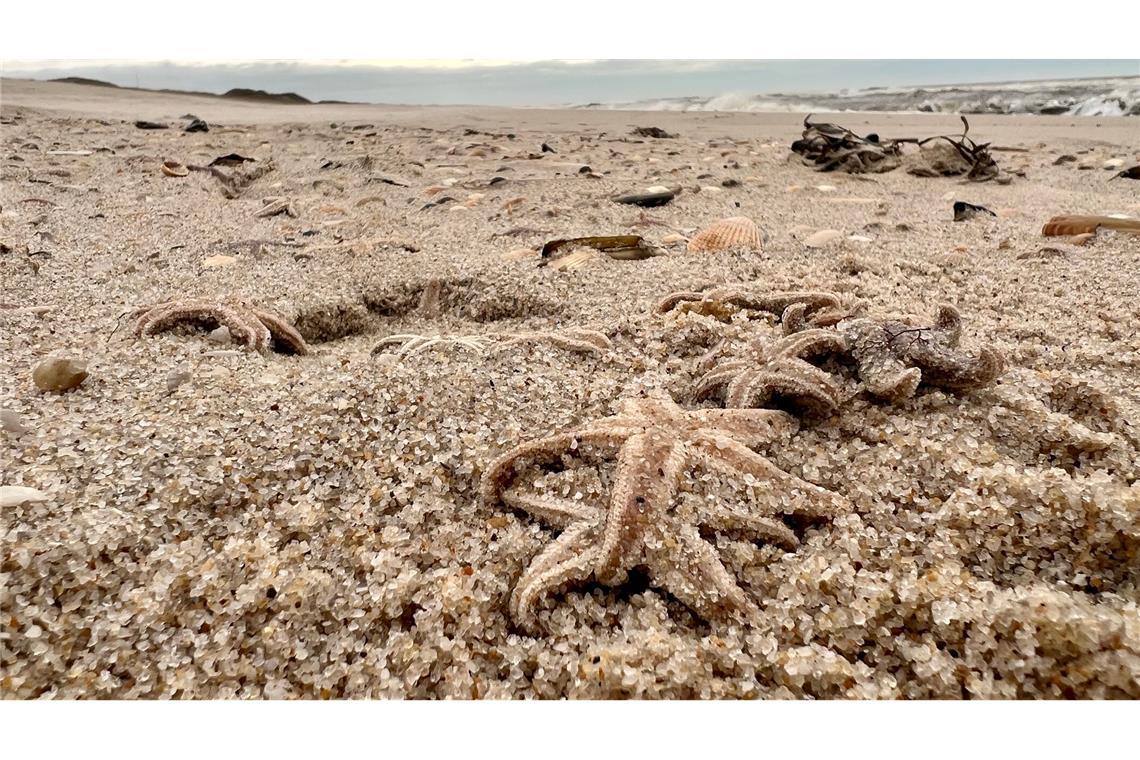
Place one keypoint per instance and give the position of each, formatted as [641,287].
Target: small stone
[710,189]
[221,335]
[822,238]
[1113,164]
[180,375]
[15,496]
[59,374]
[10,421]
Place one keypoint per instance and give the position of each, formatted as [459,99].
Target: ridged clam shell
[574,260]
[174,169]
[727,234]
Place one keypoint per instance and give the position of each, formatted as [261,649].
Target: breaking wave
[1117,96]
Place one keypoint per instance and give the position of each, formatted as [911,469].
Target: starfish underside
[656,442]
[778,370]
[248,325]
[893,357]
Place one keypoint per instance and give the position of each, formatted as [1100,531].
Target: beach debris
[10,422]
[275,206]
[647,200]
[895,356]
[410,343]
[1065,158]
[220,335]
[1083,239]
[954,156]
[235,182]
[576,339]
[735,232]
[724,301]
[71,153]
[621,247]
[1045,252]
[172,168]
[59,374]
[964,211]
[1112,164]
[1075,224]
[822,238]
[18,496]
[197,125]
[655,442]
[253,327]
[216,261]
[1130,173]
[547,149]
[389,180]
[778,371]
[150,125]
[231,159]
[654,132]
[830,147]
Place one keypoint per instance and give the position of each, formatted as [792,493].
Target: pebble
[14,496]
[1113,163]
[221,335]
[710,189]
[59,374]
[10,421]
[179,376]
[822,238]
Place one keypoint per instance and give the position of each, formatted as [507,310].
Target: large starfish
[779,369]
[656,442]
[721,302]
[248,325]
[894,357]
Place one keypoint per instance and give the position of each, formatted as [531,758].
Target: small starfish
[718,301]
[256,328]
[894,357]
[780,369]
[656,441]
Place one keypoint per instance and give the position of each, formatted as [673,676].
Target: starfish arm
[798,496]
[947,368]
[568,559]
[729,517]
[753,389]
[556,512]
[504,469]
[881,372]
[282,332]
[670,301]
[649,466]
[689,568]
[722,375]
[775,303]
[260,338]
[793,319]
[752,427]
[814,342]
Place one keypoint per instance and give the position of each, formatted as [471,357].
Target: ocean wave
[1118,96]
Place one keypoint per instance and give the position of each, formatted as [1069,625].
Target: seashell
[575,260]
[657,189]
[674,238]
[727,234]
[433,190]
[173,168]
[1072,224]
[1083,238]
[826,188]
[221,260]
[822,238]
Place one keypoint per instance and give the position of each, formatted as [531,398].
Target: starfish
[780,369]
[256,328]
[718,302]
[796,319]
[656,442]
[893,357]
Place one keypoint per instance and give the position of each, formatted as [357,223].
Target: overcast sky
[556,82]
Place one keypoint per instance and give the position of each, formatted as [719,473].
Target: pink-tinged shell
[727,234]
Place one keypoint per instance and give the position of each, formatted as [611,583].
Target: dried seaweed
[964,156]
[830,147]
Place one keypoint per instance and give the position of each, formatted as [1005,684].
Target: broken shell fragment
[1074,224]
[621,247]
[727,234]
[173,168]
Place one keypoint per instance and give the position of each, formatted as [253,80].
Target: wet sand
[222,523]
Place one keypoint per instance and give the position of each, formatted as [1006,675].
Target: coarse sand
[217,522]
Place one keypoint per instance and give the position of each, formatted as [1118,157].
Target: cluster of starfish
[248,325]
[656,441]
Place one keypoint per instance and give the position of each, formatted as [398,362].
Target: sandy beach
[210,521]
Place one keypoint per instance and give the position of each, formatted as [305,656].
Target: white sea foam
[1118,96]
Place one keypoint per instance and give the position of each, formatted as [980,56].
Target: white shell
[727,234]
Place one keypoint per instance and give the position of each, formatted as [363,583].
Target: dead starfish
[577,339]
[411,343]
[723,302]
[779,369]
[796,319]
[894,357]
[256,328]
[656,441]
